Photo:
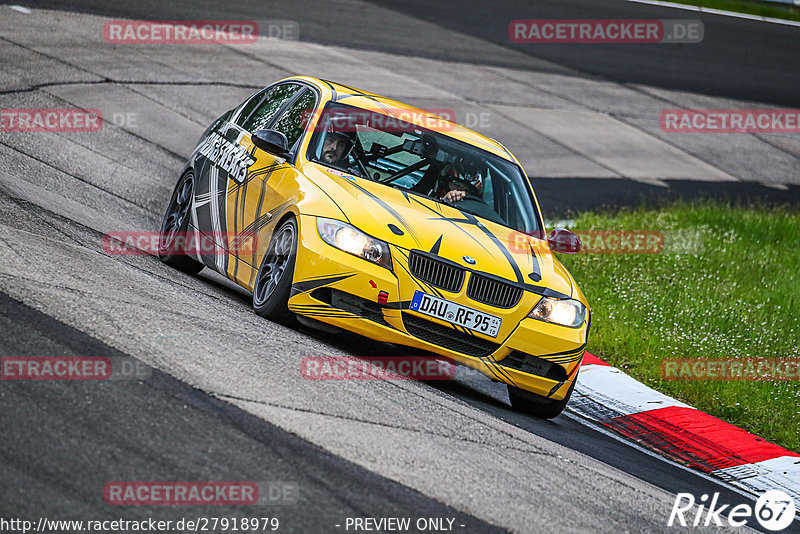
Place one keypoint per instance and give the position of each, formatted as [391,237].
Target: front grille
[436,272]
[493,292]
[534,365]
[447,337]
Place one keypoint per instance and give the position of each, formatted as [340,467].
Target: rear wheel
[274,280]
[533,404]
[174,228]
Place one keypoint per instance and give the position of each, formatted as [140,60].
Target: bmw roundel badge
[469,259]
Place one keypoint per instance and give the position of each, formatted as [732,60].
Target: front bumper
[337,288]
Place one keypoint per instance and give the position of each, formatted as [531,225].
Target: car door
[223,168]
[272,188]
[268,188]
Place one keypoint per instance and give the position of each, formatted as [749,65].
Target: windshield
[400,154]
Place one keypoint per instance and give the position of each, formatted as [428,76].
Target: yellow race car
[336,205]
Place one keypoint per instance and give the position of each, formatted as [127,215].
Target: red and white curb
[684,434]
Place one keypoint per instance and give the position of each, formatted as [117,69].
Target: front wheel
[274,280]
[175,228]
[537,406]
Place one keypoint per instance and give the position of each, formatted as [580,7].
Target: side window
[258,113]
[293,121]
[250,105]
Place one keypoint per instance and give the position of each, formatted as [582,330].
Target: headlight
[352,240]
[567,312]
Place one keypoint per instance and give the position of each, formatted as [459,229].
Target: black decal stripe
[564,353]
[388,208]
[319,307]
[258,224]
[305,286]
[471,220]
[253,174]
[257,221]
[567,355]
[266,218]
[323,308]
[257,173]
[344,315]
[437,245]
[500,246]
[574,372]
[555,388]
[545,291]
[563,358]
[536,273]
[237,216]
[440,217]
[502,371]
[495,369]
[567,361]
[344,214]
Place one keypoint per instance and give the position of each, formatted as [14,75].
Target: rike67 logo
[774,510]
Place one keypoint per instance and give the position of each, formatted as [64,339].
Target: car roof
[373,102]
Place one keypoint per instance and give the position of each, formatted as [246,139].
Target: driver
[336,149]
[460,178]
[456,191]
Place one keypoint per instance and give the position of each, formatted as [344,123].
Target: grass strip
[726,285]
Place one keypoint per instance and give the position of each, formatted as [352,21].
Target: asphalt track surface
[737,61]
[69,439]
[737,58]
[217,406]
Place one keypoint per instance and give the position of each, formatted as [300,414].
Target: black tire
[274,279]
[175,223]
[537,406]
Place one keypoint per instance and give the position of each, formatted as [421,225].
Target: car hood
[413,222]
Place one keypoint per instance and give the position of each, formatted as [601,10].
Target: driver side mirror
[564,241]
[271,141]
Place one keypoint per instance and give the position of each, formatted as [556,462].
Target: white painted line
[21,9]
[712,11]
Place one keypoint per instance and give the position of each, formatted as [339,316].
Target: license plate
[456,313]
